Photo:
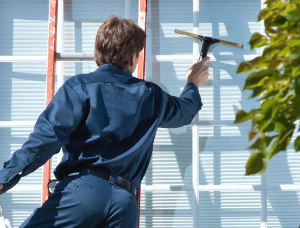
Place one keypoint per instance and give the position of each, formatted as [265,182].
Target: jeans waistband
[108,176]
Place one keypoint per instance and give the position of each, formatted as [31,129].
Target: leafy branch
[274,79]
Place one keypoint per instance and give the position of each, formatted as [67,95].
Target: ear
[131,61]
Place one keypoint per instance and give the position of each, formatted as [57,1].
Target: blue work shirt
[106,118]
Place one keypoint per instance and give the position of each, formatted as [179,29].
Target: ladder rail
[142,22]
[50,83]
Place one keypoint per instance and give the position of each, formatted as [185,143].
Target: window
[196,176]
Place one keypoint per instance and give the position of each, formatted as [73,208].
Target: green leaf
[247,66]
[242,116]
[255,164]
[273,147]
[267,107]
[285,138]
[297,86]
[295,104]
[282,124]
[259,63]
[297,144]
[261,143]
[253,84]
[267,125]
[294,16]
[293,42]
[257,78]
[257,145]
[262,14]
[256,91]
[279,20]
[284,52]
[270,52]
[244,67]
[257,40]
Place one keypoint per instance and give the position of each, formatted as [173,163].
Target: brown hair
[117,40]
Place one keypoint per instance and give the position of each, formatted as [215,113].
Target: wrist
[191,81]
[1,188]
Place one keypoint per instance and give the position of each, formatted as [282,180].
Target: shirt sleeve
[51,132]
[179,111]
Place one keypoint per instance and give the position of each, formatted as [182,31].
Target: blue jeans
[86,201]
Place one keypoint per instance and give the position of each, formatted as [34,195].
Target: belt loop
[112,179]
[133,189]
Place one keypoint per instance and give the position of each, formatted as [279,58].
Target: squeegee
[207,42]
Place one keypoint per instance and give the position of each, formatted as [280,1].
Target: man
[106,122]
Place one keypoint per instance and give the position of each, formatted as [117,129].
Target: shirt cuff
[196,95]
[7,180]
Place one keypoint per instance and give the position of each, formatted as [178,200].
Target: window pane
[283,209]
[229,209]
[166,209]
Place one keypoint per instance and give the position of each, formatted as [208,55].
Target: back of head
[117,40]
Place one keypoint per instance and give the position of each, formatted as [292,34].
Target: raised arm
[180,111]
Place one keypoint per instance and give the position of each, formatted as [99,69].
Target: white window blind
[196,178]
[24,31]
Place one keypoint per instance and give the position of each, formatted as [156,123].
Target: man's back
[120,117]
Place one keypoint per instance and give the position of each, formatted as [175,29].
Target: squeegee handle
[230,43]
[204,50]
[186,33]
[196,36]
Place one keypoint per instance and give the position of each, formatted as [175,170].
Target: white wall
[196,177]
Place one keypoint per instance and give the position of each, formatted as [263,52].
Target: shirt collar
[114,70]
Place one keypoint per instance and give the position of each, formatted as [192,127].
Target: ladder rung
[74,57]
[21,58]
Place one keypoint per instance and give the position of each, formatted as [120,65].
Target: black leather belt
[106,175]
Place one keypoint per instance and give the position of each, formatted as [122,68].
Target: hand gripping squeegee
[207,42]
